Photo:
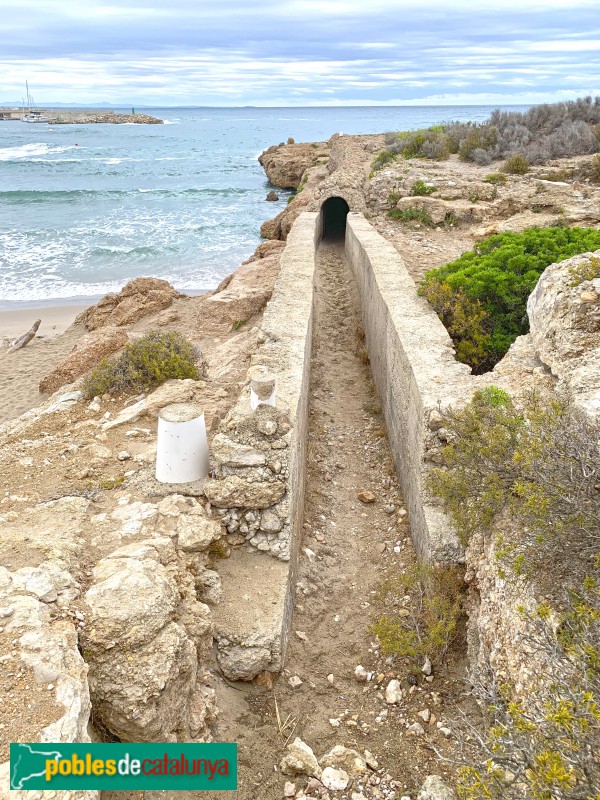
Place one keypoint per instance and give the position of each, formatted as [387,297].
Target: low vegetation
[412,215]
[526,474]
[422,189]
[143,364]
[481,297]
[540,134]
[427,625]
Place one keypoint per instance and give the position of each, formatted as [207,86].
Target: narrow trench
[347,548]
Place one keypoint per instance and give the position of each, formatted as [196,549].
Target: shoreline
[56,315]
[55,319]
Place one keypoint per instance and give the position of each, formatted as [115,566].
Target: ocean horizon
[86,208]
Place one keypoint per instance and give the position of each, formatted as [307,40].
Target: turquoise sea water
[85,208]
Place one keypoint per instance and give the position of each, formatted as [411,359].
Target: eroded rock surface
[564,316]
[137,299]
[86,354]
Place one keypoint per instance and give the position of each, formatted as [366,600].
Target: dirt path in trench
[348,548]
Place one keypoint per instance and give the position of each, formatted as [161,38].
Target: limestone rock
[46,649]
[235,492]
[171,391]
[272,196]
[434,788]
[300,760]
[344,758]
[197,532]
[130,602]
[335,779]
[286,164]
[565,330]
[393,692]
[234,454]
[86,354]
[145,634]
[137,299]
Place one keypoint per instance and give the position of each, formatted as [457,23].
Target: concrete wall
[414,369]
[248,644]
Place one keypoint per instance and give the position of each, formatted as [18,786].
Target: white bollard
[182,447]
[262,389]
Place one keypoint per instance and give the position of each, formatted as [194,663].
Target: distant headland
[66,116]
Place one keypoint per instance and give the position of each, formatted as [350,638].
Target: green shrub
[412,215]
[422,189]
[479,137]
[516,164]
[428,625]
[587,271]
[525,474]
[143,364]
[536,461]
[496,178]
[481,297]
[381,159]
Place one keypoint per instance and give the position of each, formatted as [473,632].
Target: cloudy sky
[300,52]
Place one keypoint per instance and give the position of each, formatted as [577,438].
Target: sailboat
[33,115]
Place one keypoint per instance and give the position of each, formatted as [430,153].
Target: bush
[143,364]
[545,746]
[428,625]
[412,215]
[539,463]
[482,296]
[495,178]
[540,134]
[526,474]
[422,189]
[516,165]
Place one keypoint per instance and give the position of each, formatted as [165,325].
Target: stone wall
[259,459]
[414,369]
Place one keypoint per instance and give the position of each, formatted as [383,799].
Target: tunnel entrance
[334,212]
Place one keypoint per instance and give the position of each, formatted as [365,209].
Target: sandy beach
[55,320]
[21,371]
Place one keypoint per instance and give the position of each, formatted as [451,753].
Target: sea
[85,208]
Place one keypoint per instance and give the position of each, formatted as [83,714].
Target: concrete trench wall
[415,372]
[260,460]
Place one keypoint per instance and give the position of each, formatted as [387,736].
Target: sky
[300,52]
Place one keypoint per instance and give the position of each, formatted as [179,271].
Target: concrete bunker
[334,213]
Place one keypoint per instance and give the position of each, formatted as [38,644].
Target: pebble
[416,729]
[425,714]
[123,456]
[335,723]
[301,635]
[335,779]
[289,790]
[361,674]
[427,669]
[366,497]
[446,731]
[389,509]
[295,682]
[330,678]
[393,692]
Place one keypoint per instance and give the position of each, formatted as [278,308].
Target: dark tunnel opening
[334,212]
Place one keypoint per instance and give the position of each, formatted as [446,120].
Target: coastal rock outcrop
[146,641]
[564,316]
[86,354]
[40,653]
[286,164]
[137,299]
